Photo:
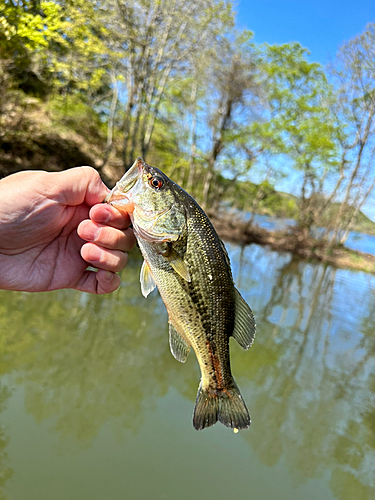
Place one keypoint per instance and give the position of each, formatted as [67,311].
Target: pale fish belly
[184,312]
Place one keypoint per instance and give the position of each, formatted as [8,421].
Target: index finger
[108,215]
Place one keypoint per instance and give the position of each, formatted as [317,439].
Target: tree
[354,75]
[299,127]
[154,41]
[51,46]
[27,29]
[232,89]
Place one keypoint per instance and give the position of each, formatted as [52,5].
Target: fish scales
[199,310]
[186,260]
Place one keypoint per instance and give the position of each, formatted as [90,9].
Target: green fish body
[187,261]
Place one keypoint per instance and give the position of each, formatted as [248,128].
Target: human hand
[47,239]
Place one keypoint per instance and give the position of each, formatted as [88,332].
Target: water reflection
[309,379]
[316,403]
[87,358]
[6,472]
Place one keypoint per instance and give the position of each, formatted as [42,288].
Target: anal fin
[179,347]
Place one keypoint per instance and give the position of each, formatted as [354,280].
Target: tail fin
[225,405]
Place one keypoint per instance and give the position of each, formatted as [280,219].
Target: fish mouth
[118,195]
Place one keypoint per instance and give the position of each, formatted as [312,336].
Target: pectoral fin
[147,281]
[244,323]
[177,263]
[179,347]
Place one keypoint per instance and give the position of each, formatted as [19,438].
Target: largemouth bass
[187,261]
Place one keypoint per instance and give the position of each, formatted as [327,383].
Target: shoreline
[292,240]
[234,229]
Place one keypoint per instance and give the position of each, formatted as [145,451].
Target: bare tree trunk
[156,38]
[126,159]
[193,135]
[111,121]
[356,212]
[157,90]
[255,204]
[181,176]
[152,77]
[136,77]
[217,148]
[145,141]
[338,184]
[362,141]
[150,118]
[207,183]
[303,201]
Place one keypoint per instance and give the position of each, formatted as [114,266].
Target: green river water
[94,407]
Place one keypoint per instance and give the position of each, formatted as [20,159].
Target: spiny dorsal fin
[225,252]
[244,323]
[147,281]
[178,264]
[179,347]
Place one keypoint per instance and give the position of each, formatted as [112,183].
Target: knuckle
[122,261]
[90,171]
[119,239]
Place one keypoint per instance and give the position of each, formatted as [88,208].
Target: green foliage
[271,202]
[25,36]
[28,28]
[300,119]
[70,112]
[50,45]
[226,117]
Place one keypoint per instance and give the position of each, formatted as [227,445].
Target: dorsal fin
[226,256]
[244,322]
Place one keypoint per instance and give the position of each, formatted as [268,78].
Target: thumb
[79,185]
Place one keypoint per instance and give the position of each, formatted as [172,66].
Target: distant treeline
[176,82]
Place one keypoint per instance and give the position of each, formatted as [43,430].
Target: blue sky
[319,25]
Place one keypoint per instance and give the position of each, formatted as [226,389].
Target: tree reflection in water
[315,404]
[309,379]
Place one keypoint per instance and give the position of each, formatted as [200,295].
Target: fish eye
[156,182]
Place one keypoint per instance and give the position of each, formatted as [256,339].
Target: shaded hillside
[36,135]
[48,151]
[274,203]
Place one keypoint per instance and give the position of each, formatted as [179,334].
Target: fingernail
[91,232]
[101,214]
[106,218]
[95,254]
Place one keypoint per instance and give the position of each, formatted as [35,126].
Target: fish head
[152,201]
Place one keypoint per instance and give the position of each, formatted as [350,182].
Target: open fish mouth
[117,196]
